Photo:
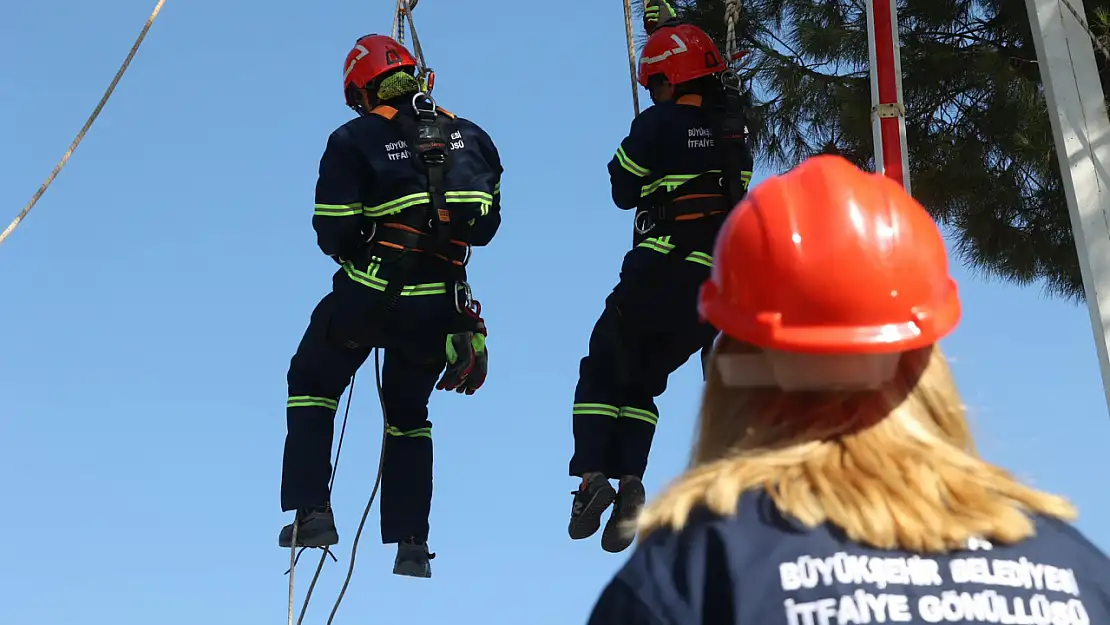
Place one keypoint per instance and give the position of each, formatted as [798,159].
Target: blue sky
[152,300]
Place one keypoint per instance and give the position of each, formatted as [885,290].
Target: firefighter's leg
[318,374]
[597,402]
[662,342]
[408,379]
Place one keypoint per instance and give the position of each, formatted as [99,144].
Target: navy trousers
[344,327]
[649,328]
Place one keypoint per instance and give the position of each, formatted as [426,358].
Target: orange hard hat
[829,259]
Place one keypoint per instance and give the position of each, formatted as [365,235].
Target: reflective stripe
[647,416]
[369,278]
[397,205]
[746,178]
[416,199]
[417,433]
[307,401]
[602,410]
[338,210]
[701,258]
[630,165]
[663,245]
[672,182]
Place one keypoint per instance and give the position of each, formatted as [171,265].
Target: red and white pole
[888,112]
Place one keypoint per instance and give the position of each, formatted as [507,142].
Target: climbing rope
[732,17]
[365,512]
[92,118]
[630,38]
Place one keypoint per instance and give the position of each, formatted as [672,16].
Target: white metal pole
[876,128]
[1076,106]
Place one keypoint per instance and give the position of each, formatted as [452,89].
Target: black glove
[467,362]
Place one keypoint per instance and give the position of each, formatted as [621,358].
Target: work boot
[620,531]
[316,528]
[590,501]
[413,559]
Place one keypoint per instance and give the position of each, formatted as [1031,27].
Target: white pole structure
[1076,106]
[888,112]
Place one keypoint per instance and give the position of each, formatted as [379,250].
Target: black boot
[620,531]
[315,528]
[590,501]
[413,559]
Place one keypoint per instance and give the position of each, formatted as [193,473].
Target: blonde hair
[894,468]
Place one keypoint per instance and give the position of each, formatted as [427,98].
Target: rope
[92,118]
[732,17]
[630,38]
[365,513]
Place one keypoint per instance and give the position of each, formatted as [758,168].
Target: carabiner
[467,302]
[643,223]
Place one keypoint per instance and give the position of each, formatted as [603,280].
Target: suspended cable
[92,118]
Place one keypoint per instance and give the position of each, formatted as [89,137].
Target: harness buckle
[643,223]
[466,302]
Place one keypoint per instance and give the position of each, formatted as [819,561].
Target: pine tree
[981,150]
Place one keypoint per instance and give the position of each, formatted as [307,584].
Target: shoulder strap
[446,112]
[383,111]
[691,99]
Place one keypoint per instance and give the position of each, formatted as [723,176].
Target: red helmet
[372,56]
[829,259]
[681,53]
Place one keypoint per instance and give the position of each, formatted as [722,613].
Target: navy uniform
[763,568]
[670,169]
[402,237]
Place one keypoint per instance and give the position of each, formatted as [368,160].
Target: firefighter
[683,165]
[404,191]
[834,478]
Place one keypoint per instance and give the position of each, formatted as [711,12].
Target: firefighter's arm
[630,168]
[485,226]
[338,217]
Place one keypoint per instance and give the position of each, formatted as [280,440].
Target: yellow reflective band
[672,182]
[468,196]
[663,245]
[417,433]
[398,205]
[367,278]
[628,412]
[603,410]
[338,210]
[630,165]
[307,401]
[416,199]
[701,258]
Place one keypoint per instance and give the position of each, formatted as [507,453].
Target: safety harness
[399,238]
[710,193]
